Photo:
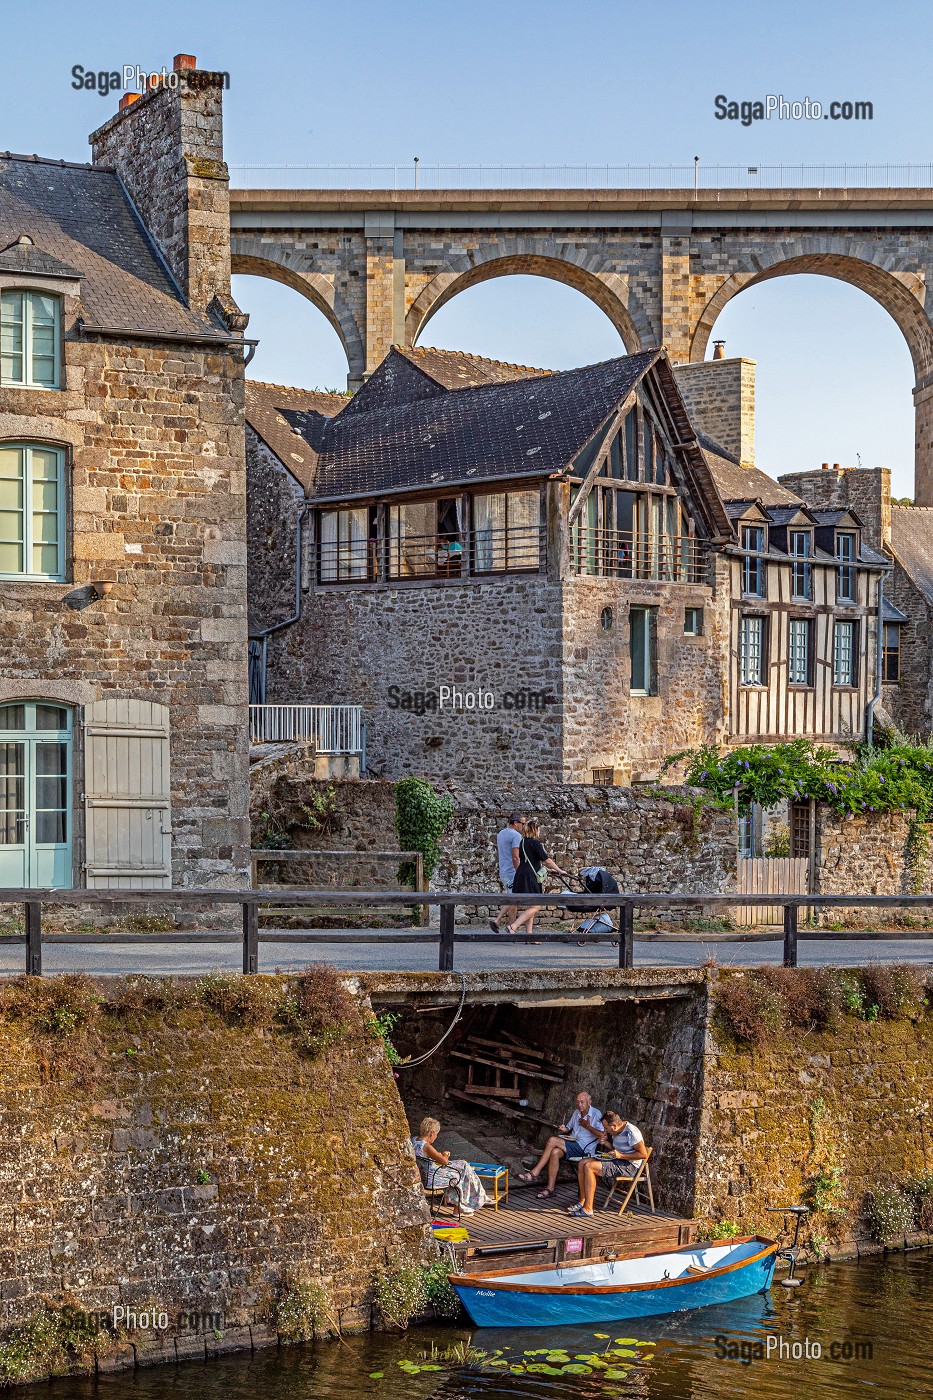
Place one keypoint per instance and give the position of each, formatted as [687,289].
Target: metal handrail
[518,549]
[586,175]
[335,729]
[448,901]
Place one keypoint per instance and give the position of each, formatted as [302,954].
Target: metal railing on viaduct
[446,938]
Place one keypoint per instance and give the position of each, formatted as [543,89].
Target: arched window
[35,795]
[32,511]
[30,339]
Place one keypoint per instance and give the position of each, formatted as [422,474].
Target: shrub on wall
[754,1007]
[420,818]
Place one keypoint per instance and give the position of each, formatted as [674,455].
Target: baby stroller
[595,880]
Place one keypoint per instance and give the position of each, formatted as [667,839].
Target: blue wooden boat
[611,1290]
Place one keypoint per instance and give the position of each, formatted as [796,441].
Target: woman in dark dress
[533,861]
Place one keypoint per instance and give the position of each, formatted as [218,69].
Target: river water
[876,1316]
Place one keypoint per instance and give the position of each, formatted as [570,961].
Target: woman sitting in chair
[621,1149]
[438,1170]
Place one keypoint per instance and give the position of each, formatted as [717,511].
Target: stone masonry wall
[276,501]
[174,1159]
[774,1118]
[720,398]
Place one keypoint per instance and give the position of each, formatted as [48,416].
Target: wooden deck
[528,1230]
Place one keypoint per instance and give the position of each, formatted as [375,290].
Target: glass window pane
[52,827]
[51,759]
[51,717]
[12,717]
[11,463]
[45,559]
[11,558]
[523,515]
[45,527]
[11,520]
[50,793]
[44,494]
[489,533]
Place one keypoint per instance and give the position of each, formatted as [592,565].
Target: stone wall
[855,1098]
[276,501]
[720,398]
[173,1157]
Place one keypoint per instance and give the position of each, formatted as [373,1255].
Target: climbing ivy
[420,817]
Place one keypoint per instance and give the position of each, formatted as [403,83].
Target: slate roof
[23,256]
[529,427]
[80,216]
[737,483]
[891,613]
[265,413]
[455,369]
[912,543]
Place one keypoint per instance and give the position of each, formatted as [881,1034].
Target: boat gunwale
[484,1282]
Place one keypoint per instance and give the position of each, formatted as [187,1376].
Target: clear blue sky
[515,81]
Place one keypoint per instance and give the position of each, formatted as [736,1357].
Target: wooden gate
[769,875]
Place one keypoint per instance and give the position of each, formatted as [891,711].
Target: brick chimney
[167,147]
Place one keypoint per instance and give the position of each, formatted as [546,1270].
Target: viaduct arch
[660,264]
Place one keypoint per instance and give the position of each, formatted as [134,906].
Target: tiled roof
[264,413]
[24,257]
[80,216]
[912,542]
[890,612]
[528,427]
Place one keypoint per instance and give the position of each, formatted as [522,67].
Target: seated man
[626,1148]
[578,1138]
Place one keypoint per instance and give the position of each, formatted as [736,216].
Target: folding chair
[638,1185]
[436,1192]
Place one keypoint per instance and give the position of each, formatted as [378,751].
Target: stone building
[123,735]
[557,575]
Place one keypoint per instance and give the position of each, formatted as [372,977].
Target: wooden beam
[500,1064]
[600,459]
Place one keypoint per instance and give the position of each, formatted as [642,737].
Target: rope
[409,1063]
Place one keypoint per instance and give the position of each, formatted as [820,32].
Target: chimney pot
[719,349]
[835,466]
[826,466]
[183,60]
[127,100]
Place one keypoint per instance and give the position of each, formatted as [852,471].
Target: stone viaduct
[660,264]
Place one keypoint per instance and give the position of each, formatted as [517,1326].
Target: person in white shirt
[578,1139]
[625,1146]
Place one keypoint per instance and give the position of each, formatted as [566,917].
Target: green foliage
[380,1027]
[420,818]
[896,778]
[824,1191]
[270,836]
[399,1294]
[777,843]
[318,1009]
[725,1230]
[890,1213]
[755,1006]
[241,1001]
[303,1310]
[438,1291]
[319,813]
[52,1342]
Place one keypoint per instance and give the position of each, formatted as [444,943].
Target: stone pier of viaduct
[661,264]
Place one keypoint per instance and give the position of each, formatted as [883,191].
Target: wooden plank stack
[501,1071]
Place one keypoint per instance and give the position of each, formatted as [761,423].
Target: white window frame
[802,565]
[846,568]
[798,655]
[754,562]
[750,624]
[695,616]
[27,574]
[28,380]
[843,654]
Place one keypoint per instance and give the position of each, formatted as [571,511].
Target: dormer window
[801,550]
[30,340]
[753,565]
[845,577]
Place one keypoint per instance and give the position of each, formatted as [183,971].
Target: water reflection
[885,1304]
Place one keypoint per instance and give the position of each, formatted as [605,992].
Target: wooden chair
[638,1185]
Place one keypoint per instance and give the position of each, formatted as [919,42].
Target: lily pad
[630,1342]
[576,1368]
[601,1336]
[377,1375]
[615,1373]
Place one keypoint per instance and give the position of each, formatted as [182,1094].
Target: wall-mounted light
[102,585]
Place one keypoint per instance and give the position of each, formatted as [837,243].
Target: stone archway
[612,292]
[901,294]
[251,258]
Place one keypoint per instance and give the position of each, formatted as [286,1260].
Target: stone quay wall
[174,1159]
[779,1119]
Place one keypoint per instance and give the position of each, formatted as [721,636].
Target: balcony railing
[518,549]
[330,728]
[624,554]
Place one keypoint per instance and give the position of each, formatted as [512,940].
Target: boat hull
[512,1307]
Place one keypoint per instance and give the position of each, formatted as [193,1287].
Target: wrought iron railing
[587,176]
[334,729]
[518,549]
[627,554]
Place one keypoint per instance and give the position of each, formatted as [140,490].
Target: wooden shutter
[127,795]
